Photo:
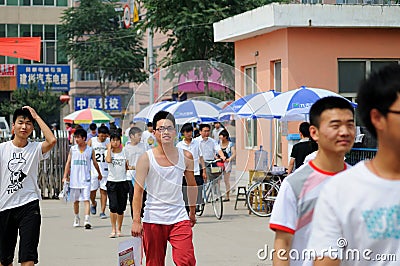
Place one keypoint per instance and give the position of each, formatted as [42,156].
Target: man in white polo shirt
[209,147]
[189,144]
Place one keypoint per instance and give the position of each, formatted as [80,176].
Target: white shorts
[95,183]
[80,194]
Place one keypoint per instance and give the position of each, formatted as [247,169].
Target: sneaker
[87,224]
[76,221]
[103,215]
[93,208]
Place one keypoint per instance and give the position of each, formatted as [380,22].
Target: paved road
[232,241]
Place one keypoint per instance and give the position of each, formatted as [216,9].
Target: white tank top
[100,149]
[165,204]
[80,167]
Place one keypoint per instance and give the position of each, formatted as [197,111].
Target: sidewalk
[232,241]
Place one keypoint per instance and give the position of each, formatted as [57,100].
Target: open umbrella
[148,112]
[88,116]
[295,104]
[246,106]
[194,111]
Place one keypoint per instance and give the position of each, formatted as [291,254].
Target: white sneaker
[77,221]
[87,224]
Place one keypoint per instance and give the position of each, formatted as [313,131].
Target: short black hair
[150,124]
[24,112]
[103,130]
[203,126]
[134,130]
[81,132]
[187,128]
[304,129]
[115,135]
[163,115]
[224,133]
[327,103]
[93,126]
[379,91]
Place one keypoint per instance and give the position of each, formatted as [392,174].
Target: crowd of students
[323,207]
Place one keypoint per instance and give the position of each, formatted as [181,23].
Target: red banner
[24,47]
[7,70]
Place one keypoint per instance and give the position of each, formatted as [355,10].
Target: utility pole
[150,59]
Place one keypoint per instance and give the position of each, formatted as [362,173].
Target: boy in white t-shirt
[19,191]
[148,137]
[78,168]
[358,211]
[117,185]
[133,150]
[332,127]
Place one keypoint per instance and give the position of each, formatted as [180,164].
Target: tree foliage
[189,27]
[94,39]
[46,103]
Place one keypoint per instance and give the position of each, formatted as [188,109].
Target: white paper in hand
[130,252]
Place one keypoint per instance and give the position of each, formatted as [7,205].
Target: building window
[353,72]
[278,76]
[2,30]
[80,75]
[62,2]
[48,35]
[250,86]
[12,2]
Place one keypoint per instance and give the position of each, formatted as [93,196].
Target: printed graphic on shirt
[100,153]
[383,223]
[79,162]
[118,162]
[16,165]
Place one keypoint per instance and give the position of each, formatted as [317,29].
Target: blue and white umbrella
[246,106]
[194,111]
[294,104]
[148,112]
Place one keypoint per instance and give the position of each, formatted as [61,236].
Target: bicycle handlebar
[213,161]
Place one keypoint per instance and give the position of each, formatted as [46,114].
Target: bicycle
[261,196]
[211,190]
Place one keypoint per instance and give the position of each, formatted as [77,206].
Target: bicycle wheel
[200,209]
[216,199]
[261,197]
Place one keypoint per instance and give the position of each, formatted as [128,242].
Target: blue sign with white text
[55,76]
[112,103]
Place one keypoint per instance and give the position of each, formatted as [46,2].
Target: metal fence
[51,170]
[358,154]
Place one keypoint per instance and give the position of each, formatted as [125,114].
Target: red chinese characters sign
[7,70]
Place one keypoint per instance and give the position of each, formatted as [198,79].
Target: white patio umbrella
[194,111]
[246,106]
[148,112]
[295,104]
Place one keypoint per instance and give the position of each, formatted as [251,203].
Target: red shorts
[180,236]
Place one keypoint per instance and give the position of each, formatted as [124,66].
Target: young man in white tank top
[165,217]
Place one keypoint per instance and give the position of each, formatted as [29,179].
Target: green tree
[46,103]
[189,27]
[93,38]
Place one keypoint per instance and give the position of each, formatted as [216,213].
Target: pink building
[285,46]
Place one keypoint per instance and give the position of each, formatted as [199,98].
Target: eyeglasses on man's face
[162,129]
[393,112]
